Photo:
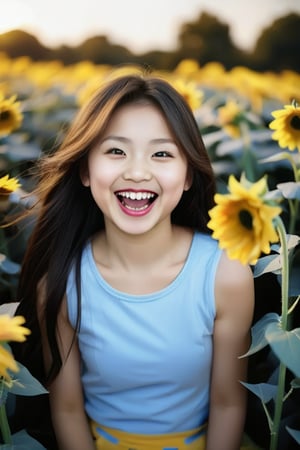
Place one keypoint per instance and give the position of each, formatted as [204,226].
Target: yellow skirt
[110,439]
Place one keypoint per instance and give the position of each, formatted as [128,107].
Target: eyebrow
[127,141]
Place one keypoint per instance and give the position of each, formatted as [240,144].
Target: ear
[189,180]
[84,173]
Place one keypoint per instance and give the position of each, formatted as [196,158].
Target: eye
[115,151]
[162,154]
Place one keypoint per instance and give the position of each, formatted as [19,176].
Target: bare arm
[235,303]
[66,397]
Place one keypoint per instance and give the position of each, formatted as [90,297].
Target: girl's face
[136,173]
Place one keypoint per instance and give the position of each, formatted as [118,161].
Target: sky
[139,25]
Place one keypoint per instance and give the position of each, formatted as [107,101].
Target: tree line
[206,39]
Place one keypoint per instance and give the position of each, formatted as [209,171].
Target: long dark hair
[67,214]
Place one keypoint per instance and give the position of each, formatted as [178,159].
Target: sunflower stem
[294,206]
[284,324]
[4,426]
[248,160]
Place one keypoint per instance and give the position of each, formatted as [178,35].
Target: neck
[138,251]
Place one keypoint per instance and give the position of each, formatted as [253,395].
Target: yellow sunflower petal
[11,328]
[10,115]
[7,361]
[8,185]
[190,92]
[242,221]
[286,126]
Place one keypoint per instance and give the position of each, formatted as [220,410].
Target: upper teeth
[136,195]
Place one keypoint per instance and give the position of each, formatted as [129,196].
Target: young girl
[141,317]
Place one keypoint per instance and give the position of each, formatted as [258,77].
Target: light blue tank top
[146,359]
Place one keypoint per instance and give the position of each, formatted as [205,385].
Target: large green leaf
[270,263]
[25,384]
[294,433]
[295,383]
[292,241]
[285,345]
[22,441]
[265,391]
[290,189]
[258,331]
[274,194]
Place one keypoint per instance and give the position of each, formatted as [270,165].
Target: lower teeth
[135,209]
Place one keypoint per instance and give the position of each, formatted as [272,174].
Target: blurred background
[260,34]
[235,61]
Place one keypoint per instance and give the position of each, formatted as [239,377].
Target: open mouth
[136,201]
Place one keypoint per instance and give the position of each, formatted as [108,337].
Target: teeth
[137,209]
[136,195]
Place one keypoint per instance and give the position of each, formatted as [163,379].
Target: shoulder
[232,272]
[234,288]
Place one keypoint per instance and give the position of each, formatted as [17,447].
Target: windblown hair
[67,215]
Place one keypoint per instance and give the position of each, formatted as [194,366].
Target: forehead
[137,118]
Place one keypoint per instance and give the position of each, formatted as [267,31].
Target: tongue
[135,203]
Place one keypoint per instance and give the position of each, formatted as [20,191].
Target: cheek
[101,175]
[176,179]
[99,185]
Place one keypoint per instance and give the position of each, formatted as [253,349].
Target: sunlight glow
[15,15]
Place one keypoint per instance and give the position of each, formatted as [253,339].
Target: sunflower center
[246,219]
[4,115]
[295,122]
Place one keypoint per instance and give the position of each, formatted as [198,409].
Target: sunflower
[187,68]
[190,92]
[10,115]
[7,361]
[242,220]
[287,127]
[11,328]
[229,117]
[8,185]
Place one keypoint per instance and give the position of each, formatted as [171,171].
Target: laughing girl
[141,316]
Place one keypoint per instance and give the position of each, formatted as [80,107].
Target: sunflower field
[250,123]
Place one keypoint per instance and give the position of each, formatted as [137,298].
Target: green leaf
[294,433]
[279,157]
[275,194]
[294,287]
[258,339]
[269,263]
[213,137]
[22,152]
[285,345]
[224,167]
[295,383]
[265,391]
[22,441]
[25,384]
[290,189]
[292,241]
[272,263]
[7,266]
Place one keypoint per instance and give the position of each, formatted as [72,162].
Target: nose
[137,170]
